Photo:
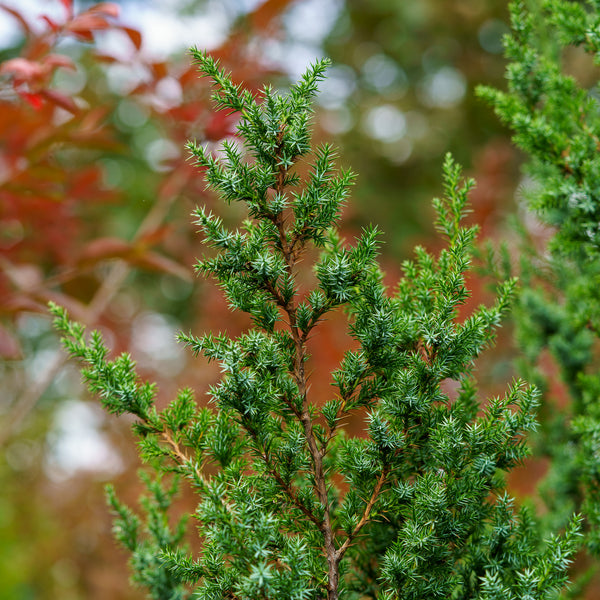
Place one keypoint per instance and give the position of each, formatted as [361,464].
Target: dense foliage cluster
[290,505]
[552,106]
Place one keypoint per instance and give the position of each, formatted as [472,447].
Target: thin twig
[182,458]
[99,303]
[29,398]
[367,512]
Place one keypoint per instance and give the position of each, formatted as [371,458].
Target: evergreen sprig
[554,118]
[556,121]
[294,506]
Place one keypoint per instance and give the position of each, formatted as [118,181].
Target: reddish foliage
[56,208]
[44,197]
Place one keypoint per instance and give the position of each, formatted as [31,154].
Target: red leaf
[105,8]
[52,24]
[105,58]
[18,303]
[39,47]
[34,100]
[59,60]
[84,181]
[155,235]
[188,77]
[135,36]
[159,69]
[174,183]
[85,35]
[68,4]
[22,69]
[219,126]
[263,16]
[93,119]
[142,88]
[103,248]
[84,24]
[60,100]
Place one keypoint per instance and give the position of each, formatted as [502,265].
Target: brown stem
[180,455]
[181,458]
[291,255]
[367,512]
[287,488]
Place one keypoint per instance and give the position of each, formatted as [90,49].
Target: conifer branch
[273,520]
[181,458]
[367,512]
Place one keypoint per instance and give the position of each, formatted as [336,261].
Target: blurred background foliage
[96,103]
[401,95]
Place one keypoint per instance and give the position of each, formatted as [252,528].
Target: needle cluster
[289,504]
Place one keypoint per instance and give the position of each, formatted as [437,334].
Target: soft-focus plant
[552,107]
[91,167]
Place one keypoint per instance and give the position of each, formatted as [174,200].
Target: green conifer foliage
[556,120]
[293,506]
